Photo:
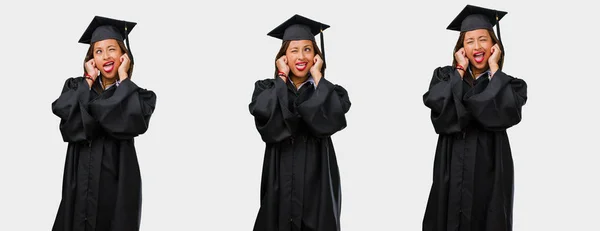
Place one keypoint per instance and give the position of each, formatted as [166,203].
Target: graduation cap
[300,28]
[102,28]
[474,17]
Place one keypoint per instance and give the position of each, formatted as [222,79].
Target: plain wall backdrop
[201,159]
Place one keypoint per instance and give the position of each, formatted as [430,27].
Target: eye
[112,49]
[307,49]
[294,51]
[470,42]
[98,51]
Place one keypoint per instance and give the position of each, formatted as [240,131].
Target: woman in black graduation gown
[472,104]
[296,112]
[100,114]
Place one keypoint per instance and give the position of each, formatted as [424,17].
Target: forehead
[106,43]
[476,33]
[300,43]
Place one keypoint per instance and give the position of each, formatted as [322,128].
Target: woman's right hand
[90,69]
[461,59]
[282,66]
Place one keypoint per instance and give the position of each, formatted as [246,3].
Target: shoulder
[73,82]
[512,79]
[443,73]
[264,83]
[336,87]
[74,79]
[445,70]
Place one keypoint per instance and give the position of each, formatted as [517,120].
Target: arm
[269,106]
[497,105]
[126,114]
[76,123]
[324,112]
[444,98]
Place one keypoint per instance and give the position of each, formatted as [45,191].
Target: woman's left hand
[315,70]
[494,58]
[124,68]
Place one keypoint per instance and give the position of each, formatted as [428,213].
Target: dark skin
[107,51]
[299,60]
[478,42]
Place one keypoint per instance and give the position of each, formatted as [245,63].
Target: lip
[109,66]
[479,56]
[301,66]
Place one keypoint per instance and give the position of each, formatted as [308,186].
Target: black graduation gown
[473,171]
[101,182]
[300,188]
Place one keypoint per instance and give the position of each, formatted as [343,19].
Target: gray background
[201,159]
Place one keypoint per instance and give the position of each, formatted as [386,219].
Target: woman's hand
[92,71]
[124,68]
[282,66]
[462,60]
[494,58]
[315,70]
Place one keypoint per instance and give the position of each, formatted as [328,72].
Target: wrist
[316,74]
[494,67]
[122,76]
[461,72]
[281,74]
[88,77]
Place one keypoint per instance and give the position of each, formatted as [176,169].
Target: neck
[298,80]
[476,72]
[107,81]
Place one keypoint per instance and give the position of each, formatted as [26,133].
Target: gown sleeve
[497,105]
[76,123]
[126,114]
[269,106]
[444,98]
[324,112]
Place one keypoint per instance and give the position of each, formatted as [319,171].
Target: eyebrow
[109,46]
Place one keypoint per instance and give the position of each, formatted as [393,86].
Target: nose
[302,55]
[104,55]
[477,45]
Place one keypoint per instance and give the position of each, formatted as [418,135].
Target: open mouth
[301,66]
[478,56]
[109,66]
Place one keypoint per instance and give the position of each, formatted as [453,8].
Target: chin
[109,76]
[479,66]
[484,66]
[301,74]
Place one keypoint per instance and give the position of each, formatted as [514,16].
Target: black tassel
[499,36]
[322,52]
[128,47]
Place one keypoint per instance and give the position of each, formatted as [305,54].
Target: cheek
[469,51]
[98,61]
[488,49]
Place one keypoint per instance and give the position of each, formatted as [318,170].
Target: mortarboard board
[102,28]
[300,28]
[474,17]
